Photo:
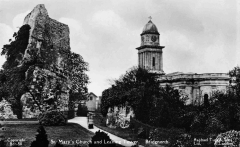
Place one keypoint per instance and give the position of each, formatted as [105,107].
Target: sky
[200,36]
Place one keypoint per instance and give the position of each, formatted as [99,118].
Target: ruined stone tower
[49,42]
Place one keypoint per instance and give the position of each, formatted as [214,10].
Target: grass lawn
[24,119]
[28,132]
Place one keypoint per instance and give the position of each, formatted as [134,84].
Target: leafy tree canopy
[15,50]
[141,90]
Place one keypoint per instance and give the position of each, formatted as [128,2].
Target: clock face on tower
[153,38]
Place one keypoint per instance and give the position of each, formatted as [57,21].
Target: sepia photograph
[120,73]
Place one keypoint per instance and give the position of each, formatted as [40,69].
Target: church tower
[150,51]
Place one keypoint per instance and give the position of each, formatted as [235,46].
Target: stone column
[139,58]
[147,59]
[161,61]
[144,59]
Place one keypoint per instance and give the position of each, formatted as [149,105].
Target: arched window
[206,102]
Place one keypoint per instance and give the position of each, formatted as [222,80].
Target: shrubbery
[100,139]
[230,138]
[3,143]
[6,110]
[82,110]
[41,138]
[52,118]
[58,144]
[71,114]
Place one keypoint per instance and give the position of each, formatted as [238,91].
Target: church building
[196,86]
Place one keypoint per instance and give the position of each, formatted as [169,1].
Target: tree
[13,84]
[167,108]
[76,67]
[141,89]
[15,50]
[135,87]
[235,80]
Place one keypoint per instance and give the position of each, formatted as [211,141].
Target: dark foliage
[3,143]
[12,77]
[15,50]
[71,114]
[15,145]
[82,110]
[185,140]
[235,80]
[58,144]
[101,139]
[76,66]
[41,138]
[160,107]
[75,97]
[52,118]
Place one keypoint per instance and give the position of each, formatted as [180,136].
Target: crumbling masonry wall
[48,42]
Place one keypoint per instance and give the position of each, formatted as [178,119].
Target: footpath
[83,122]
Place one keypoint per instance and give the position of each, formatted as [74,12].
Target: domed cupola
[150,28]
[150,34]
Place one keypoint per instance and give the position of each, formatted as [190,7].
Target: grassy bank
[70,132]
[164,134]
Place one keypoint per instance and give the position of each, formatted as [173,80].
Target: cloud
[77,34]
[199,36]
[107,19]
[214,57]
[183,54]
[18,20]
[6,34]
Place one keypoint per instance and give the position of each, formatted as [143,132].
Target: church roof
[91,93]
[179,73]
[150,28]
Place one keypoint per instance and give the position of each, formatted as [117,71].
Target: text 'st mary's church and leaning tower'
[196,86]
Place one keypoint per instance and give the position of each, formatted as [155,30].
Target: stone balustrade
[194,76]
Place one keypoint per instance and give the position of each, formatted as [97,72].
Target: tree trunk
[18,108]
[19,114]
